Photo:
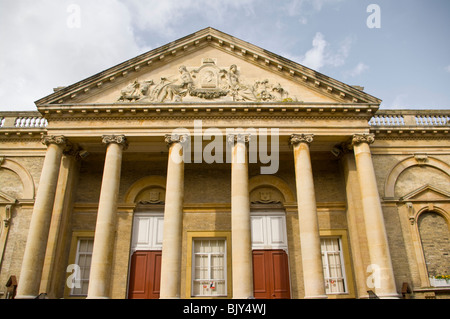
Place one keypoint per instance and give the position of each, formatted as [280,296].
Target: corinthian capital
[118,139]
[52,139]
[363,138]
[175,138]
[242,138]
[301,138]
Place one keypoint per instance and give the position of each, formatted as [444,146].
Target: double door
[270,258]
[270,274]
[145,275]
[145,266]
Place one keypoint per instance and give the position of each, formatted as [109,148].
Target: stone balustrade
[418,118]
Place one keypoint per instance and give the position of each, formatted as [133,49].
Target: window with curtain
[209,267]
[83,261]
[333,266]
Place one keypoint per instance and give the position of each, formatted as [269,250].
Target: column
[382,274]
[307,217]
[241,242]
[54,270]
[33,259]
[355,220]
[102,254]
[173,219]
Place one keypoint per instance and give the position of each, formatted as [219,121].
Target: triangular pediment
[5,198]
[427,193]
[208,66]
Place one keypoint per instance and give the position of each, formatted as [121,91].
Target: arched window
[435,237]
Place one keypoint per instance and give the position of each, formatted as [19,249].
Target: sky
[399,51]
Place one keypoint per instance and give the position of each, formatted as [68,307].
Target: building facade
[211,168]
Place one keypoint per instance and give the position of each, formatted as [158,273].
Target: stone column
[313,278]
[33,259]
[173,219]
[102,254]
[54,270]
[382,274]
[241,242]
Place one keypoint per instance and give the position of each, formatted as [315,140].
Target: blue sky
[405,62]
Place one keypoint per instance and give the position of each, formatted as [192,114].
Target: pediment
[427,193]
[5,198]
[208,66]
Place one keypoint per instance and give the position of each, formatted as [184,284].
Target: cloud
[48,43]
[321,55]
[357,70]
[447,68]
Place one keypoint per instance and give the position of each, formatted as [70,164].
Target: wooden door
[271,274]
[145,274]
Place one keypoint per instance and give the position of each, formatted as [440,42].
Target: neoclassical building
[212,168]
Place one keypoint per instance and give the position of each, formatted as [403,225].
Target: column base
[25,297]
[316,297]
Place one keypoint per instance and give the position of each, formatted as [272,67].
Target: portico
[149,207]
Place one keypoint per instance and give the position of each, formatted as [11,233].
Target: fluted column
[380,257]
[242,266]
[33,259]
[173,219]
[102,254]
[307,217]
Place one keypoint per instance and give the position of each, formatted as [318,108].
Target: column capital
[118,139]
[52,139]
[238,137]
[363,138]
[301,138]
[175,138]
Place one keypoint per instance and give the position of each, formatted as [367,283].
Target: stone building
[212,168]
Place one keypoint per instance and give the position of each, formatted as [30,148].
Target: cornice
[201,39]
[411,133]
[164,111]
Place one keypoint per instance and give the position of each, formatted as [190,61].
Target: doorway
[269,255]
[145,262]
[145,275]
[270,274]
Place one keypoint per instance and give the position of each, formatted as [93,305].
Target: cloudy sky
[398,50]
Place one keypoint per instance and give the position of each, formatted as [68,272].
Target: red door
[270,274]
[145,275]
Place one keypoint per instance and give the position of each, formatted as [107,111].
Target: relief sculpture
[208,82]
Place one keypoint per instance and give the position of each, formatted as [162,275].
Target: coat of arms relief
[207,82]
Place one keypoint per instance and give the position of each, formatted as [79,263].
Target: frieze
[207,82]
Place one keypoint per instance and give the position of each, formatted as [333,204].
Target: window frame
[207,235]
[346,261]
[76,236]
[77,259]
[325,254]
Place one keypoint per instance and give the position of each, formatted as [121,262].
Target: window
[83,261]
[333,267]
[209,267]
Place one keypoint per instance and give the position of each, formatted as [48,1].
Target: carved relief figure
[206,82]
